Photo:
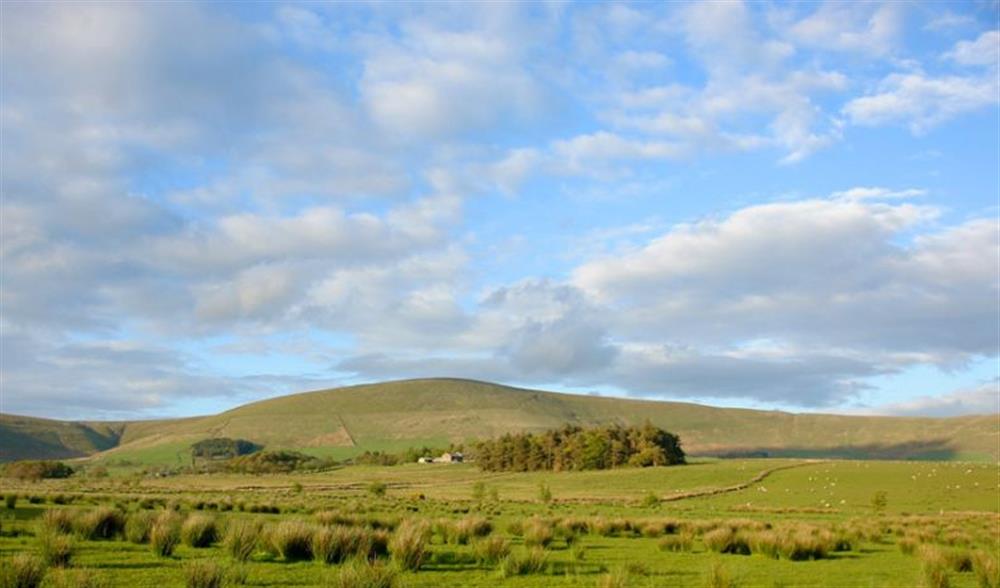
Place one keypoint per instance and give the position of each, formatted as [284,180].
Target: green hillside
[32,438]
[396,415]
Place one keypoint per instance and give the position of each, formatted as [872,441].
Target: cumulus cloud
[983,51]
[815,272]
[176,172]
[857,27]
[436,83]
[921,101]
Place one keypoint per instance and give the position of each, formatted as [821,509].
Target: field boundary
[742,485]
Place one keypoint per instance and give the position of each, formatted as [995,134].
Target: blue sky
[773,205]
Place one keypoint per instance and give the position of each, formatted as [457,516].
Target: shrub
[408,545]
[359,574]
[22,571]
[651,500]
[165,534]
[199,531]
[682,542]
[103,522]
[725,540]
[10,500]
[57,520]
[241,539]
[292,540]
[538,533]
[138,526]
[204,574]
[491,551]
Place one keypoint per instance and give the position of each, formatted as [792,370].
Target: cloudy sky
[789,206]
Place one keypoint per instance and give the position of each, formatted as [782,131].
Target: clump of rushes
[725,540]
[934,567]
[682,542]
[332,517]
[55,548]
[538,533]
[292,540]
[199,531]
[138,526]
[103,522]
[204,574]
[408,545]
[491,550]
[338,544]
[532,561]
[76,579]
[515,527]
[360,574]
[719,577]
[801,546]
[23,571]
[617,578]
[464,530]
[984,566]
[57,520]
[165,534]
[241,539]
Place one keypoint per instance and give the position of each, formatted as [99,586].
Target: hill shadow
[923,450]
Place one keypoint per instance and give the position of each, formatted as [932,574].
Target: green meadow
[711,523]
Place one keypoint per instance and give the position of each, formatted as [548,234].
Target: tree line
[576,448]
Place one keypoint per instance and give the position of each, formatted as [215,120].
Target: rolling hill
[397,415]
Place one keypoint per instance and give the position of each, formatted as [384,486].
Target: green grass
[944,495]
[395,415]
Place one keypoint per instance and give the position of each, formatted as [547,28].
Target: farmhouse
[446,457]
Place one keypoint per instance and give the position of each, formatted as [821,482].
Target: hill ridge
[397,414]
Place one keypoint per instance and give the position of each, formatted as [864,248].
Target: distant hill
[396,415]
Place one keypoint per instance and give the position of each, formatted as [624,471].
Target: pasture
[817,523]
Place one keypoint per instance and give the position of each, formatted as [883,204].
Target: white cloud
[984,51]
[983,399]
[869,28]
[437,83]
[921,101]
[877,193]
[816,272]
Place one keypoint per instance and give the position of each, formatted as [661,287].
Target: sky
[769,205]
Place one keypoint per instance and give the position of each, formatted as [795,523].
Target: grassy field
[805,523]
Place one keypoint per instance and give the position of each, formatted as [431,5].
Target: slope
[396,415]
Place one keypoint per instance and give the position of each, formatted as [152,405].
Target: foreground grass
[602,531]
